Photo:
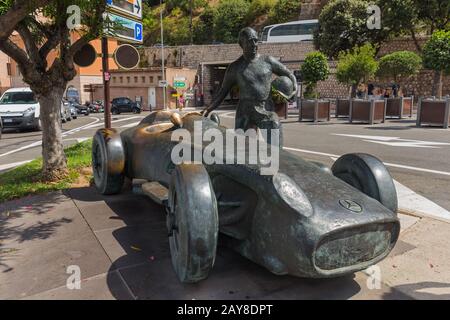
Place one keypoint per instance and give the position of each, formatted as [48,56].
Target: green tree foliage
[314,69]
[229,19]
[343,26]
[284,11]
[48,78]
[203,27]
[400,64]
[176,26]
[356,66]
[185,5]
[436,56]
[260,8]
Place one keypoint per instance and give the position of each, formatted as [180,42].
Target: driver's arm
[228,82]
[280,70]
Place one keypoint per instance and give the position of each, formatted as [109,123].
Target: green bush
[436,57]
[399,64]
[356,66]
[314,69]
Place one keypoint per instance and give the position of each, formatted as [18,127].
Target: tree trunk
[441,76]
[54,159]
[353,90]
[436,83]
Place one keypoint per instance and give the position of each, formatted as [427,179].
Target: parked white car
[19,109]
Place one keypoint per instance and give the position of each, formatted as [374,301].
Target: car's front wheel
[108,161]
[193,223]
[136,110]
[115,111]
[38,125]
[369,175]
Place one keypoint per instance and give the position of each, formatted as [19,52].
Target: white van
[294,31]
[19,109]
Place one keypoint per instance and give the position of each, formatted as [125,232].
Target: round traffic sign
[127,57]
[85,56]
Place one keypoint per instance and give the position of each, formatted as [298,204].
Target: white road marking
[38,143]
[412,203]
[13,165]
[394,165]
[115,121]
[396,141]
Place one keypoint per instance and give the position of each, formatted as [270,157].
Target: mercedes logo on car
[351,206]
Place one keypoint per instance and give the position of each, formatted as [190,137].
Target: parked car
[82,108]
[1,127]
[19,109]
[65,111]
[122,104]
[305,220]
[73,111]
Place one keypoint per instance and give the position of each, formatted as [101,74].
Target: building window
[143,79]
[121,79]
[114,79]
[8,68]
[159,78]
[151,79]
[128,79]
[135,79]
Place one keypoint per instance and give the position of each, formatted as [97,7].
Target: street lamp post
[162,55]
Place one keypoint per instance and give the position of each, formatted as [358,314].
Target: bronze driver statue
[252,73]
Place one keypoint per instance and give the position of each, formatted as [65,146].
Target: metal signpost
[127,13]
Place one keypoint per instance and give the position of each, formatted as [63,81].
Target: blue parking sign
[138,31]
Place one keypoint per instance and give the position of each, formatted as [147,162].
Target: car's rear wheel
[193,223]
[108,161]
[369,175]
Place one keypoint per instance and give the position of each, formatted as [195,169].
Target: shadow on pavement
[19,222]
[133,233]
[422,291]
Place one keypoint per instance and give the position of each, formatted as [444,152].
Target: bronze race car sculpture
[305,220]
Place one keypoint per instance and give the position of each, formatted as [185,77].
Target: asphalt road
[419,158]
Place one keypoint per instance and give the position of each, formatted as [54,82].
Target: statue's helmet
[284,86]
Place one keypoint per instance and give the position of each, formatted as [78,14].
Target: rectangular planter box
[399,107]
[315,110]
[342,108]
[281,110]
[433,112]
[367,111]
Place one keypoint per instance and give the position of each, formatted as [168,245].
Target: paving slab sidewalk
[120,245]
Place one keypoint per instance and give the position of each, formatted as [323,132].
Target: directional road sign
[132,8]
[130,30]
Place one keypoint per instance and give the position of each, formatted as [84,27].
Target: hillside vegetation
[212,20]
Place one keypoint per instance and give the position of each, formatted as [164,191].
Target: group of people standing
[379,92]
